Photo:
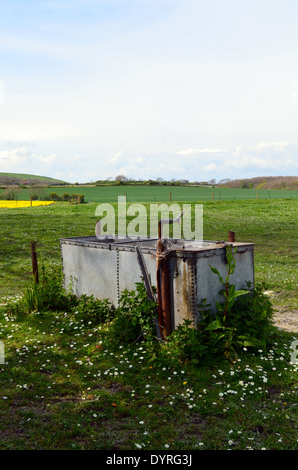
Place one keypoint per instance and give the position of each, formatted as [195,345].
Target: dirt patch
[285,320]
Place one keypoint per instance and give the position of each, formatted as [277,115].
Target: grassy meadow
[144,193]
[270,224]
[66,385]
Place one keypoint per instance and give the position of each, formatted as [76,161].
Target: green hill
[263,182]
[7,179]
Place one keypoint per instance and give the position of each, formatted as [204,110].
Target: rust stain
[185,291]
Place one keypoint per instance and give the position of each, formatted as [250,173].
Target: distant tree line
[74,198]
[123,180]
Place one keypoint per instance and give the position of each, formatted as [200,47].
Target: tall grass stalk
[33,298]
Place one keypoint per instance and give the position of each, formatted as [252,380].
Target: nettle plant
[134,317]
[242,320]
[230,293]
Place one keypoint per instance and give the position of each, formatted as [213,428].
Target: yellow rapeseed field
[17,204]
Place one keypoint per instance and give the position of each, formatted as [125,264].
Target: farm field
[66,385]
[270,224]
[19,204]
[162,193]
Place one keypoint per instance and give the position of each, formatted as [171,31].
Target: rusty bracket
[145,274]
[232,236]
[148,286]
[163,281]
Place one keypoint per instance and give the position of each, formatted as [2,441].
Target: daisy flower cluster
[166,401]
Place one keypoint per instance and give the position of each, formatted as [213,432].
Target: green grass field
[66,385]
[270,224]
[163,193]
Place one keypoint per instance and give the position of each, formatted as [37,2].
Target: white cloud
[137,159]
[21,158]
[276,146]
[276,157]
[116,157]
[46,159]
[76,158]
[244,161]
[11,159]
[191,151]
[19,43]
[210,167]
[248,162]
[201,164]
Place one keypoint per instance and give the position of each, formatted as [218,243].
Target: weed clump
[49,295]
[244,319]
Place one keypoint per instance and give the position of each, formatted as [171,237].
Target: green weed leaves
[135,317]
[242,320]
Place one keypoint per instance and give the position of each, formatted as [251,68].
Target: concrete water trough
[179,269]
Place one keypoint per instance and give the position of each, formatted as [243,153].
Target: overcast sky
[184,89]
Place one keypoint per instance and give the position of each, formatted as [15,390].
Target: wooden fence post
[34,262]
[232,236]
